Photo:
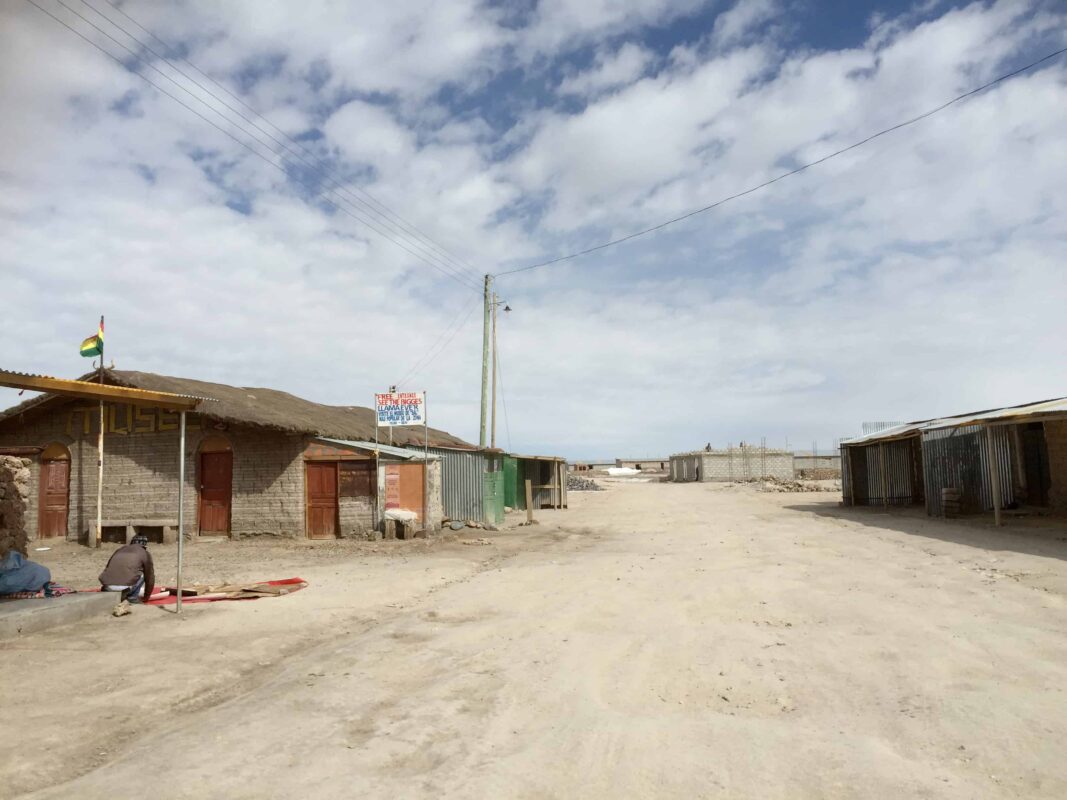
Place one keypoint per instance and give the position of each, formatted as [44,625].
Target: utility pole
[485,356]
[492,427]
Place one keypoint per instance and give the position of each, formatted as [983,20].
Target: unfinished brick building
[258,462]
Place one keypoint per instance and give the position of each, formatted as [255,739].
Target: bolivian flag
[94,345]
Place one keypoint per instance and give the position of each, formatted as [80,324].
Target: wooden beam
[97,391]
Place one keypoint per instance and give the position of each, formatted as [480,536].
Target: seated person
[19,574]
[130,570]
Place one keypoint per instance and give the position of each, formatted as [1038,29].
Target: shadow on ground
[1039,536]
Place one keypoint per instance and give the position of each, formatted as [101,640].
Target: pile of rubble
[576,483]
[778,485]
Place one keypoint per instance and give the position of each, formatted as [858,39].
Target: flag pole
[100,454]
[425,466]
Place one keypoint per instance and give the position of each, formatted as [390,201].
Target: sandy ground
[656,640]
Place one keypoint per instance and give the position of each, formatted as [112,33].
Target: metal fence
[959,458]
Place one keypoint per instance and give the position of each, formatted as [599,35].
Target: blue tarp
[19,574]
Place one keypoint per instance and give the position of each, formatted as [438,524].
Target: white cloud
[920,274]
[610,71]
[734,25]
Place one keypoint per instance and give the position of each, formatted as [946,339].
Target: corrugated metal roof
[1043,408]
[405,453]
[74,382]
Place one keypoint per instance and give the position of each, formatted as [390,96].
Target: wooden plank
[97,391]
[529,501]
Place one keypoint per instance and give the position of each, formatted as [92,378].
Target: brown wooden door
[216,480]
[322,499]
[55,491]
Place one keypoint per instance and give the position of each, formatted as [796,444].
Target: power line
[791,172]
[281,167]
[371,203]
[441,343]
[445,270]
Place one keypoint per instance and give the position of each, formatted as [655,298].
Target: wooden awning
[99,391]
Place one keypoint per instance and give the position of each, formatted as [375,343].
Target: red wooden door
[55,488]
[322,499]
[216,479]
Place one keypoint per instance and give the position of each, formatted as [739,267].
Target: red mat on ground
[167,595]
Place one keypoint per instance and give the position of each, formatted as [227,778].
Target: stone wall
[1056,442]
[141,469]
[14,502]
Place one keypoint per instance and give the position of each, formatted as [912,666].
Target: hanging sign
[400,408]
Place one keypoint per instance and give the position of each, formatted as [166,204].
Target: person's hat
[141,540]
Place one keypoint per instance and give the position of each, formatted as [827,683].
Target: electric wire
[441,344]
[226,119]
[399,224]
[354,214]
[791,172]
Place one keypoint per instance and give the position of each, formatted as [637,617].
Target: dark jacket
[126,565]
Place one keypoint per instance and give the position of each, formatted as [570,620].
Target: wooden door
[322,499]
[54,494]
[216,479]
[412,489]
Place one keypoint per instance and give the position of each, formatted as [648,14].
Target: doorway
[1035,463]
[321,479]
[54,496]
[216,491]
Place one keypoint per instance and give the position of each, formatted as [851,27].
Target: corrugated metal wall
[461,483]
[959,458]
[846,478]
[888,474]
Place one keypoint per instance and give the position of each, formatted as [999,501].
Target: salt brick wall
[736,465]
[140,475]
[1056,442]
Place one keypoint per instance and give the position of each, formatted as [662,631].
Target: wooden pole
[425,466]
[100,458]
[485,357]
[994,473]
[492,426]
[529,501]
[181,507]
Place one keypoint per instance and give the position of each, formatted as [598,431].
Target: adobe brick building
[258,462]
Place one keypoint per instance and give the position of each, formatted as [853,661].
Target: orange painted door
[322,499]
[55,489]
[411,487]
[216,481]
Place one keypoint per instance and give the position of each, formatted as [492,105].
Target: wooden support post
[994,473]
[529,501]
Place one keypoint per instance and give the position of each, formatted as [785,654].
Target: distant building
[817,466]
[650,464]
[732,464]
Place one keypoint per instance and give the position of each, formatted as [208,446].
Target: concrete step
[19,617]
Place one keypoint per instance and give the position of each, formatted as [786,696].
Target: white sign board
[400,408]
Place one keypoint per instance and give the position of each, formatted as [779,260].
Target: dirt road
[656,640]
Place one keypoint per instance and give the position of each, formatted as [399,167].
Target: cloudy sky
[919,275]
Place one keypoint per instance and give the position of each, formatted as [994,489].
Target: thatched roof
[265,408]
